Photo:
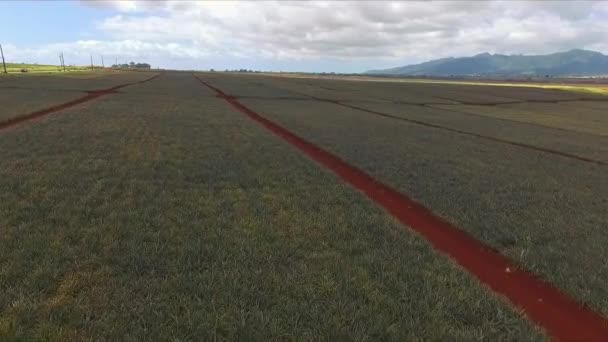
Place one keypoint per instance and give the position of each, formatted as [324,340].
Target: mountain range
[575,62]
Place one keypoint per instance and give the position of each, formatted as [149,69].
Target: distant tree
[141,66]
[132,65]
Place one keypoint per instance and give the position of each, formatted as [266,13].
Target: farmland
[41,68]
[158,209]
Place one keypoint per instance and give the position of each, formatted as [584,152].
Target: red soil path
[43,112]
[561,317]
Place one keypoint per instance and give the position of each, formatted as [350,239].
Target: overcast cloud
[351,36]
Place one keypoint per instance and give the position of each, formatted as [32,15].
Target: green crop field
[597,88]
[23,95]
[160,211]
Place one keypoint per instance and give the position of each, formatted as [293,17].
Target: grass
[160,213]
[544,211]
[41,68]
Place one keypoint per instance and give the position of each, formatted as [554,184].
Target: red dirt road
[561,317]
[90,96]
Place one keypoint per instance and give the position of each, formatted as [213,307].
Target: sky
[310,36]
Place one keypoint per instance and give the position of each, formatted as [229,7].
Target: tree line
[132,65]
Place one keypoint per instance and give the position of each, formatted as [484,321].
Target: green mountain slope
[573,62]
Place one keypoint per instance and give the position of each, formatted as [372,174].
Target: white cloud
[79,52]
[120,5]
[365,29]
[387,32]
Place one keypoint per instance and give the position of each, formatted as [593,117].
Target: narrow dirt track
[91,95]
[459,131]
[481,136]
[561,316]
[432,106]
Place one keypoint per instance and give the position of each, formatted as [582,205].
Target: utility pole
[92,68]
[102,65]
[62,61]
[3,63]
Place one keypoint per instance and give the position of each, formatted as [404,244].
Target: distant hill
[571,63]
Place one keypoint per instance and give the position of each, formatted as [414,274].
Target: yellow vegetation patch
[75,283]
[600,89]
